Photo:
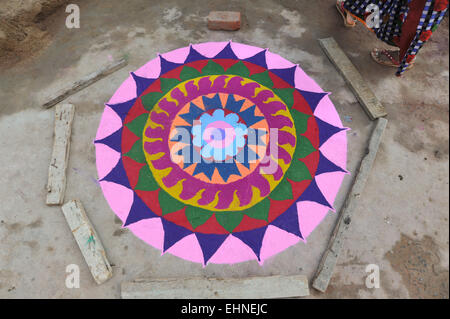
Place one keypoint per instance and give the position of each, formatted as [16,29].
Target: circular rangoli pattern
[220,152]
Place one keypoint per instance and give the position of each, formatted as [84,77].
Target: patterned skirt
[407,24]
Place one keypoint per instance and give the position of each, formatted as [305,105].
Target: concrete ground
[402,223]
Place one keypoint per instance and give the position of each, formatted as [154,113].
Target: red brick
[224,20]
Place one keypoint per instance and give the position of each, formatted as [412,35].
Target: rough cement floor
[402,223]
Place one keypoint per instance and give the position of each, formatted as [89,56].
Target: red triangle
[253,68]
[211,226]
[132,169]
[173,74]
[299,187]
[312,132]
[311,161]
[278,207]
[179,218]
[278,83]
[154,87]
[198,65]
[150,198]
[248,223]
[128,139]
[226,63]
[300,103]
[136,110]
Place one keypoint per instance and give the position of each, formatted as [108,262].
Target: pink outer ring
[233,250]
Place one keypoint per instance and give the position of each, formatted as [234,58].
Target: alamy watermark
[373,279]
[73,19]
[373,19]
[225,145]
[73,277]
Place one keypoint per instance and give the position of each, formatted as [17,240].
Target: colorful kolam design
[220,152]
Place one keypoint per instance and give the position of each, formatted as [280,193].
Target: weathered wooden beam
[87,239]
[56,185]
[329,259]
[62,94]
[358,85]
[212,288]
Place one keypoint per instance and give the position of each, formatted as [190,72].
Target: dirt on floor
[419,263]
[23,28]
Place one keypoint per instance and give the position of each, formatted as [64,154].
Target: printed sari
[406,24]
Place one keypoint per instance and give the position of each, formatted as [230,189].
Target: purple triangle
[194,56]
[141,83]
[226,53]
[286,74]
[327,166]
[253,238]
[122,109]
[209,244]
[288,221]
[114,140]
[173,233]
[313,98]
[117,175]
[313,194]
[167,66]
[258,59]
[326,130]
[138,211]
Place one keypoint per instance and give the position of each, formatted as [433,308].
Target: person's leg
[349,21]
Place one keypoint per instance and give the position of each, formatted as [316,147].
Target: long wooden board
[329,259]
[59,96]
[212,288]
[358,85]
[56,185]
[87,239]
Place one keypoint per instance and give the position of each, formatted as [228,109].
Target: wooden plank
[213,288]
[358,85]
[56,185]
[62,94]
[87,239]
[329,259]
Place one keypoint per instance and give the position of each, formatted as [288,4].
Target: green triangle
[229,220]
[137,125]
[263,78]
[283,191]
[287,95]
[149,100]
[197,216]
[168,84]
[189,73]
[260,210]
[303,148]
[300,121]
[212,68]
[137,152]
[239,69]
[146,181]
[168,204]
[298,171]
